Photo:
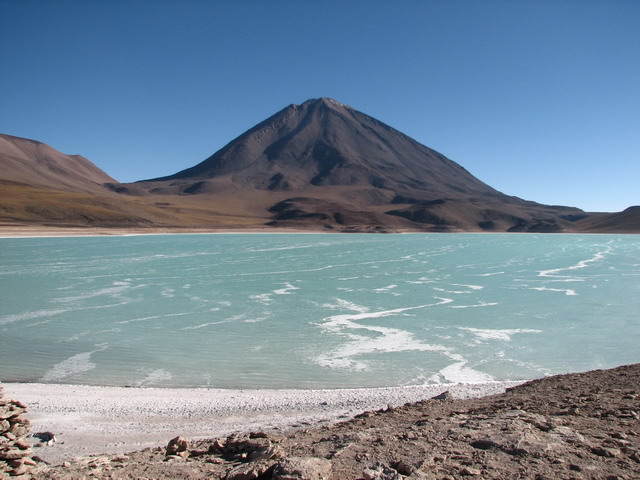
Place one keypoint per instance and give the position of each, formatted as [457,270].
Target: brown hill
[627,221]
[40,185]
[31,162]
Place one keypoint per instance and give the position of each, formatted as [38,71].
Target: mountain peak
[330,102]
[325,143]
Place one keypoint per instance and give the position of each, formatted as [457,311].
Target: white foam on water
[444,290]
[286,290]
[16,317]
[75,337]
[115,290]
[471,287]
[347,320]
[78,363]
[459,373]
[233,318]
[488,274]
[345,305]
[154,377]
[566,291]
[203,325]
[255,320]
[477,305]
[389,340]
[555,272]
[386,340]
[288,247]
[264,298]
[152,317]
[497,334]
[387,289]
[168,292]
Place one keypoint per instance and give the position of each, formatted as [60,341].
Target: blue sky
[539,99]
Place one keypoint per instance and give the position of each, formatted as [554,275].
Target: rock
[249,471]
[22,444]
[177,445]
[216,447]
[184,454]
[566,434]
[404,468]
[298,468]
[16,463]
[380,472]
[485,444]
[443,396]
[20,404]
[250,448]
[14,454]
[19,430]
[606,452]
[265,453]
[8,411]
[47,438]
[21,470]
[470,471]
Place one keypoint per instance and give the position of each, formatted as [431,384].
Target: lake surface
[316,311]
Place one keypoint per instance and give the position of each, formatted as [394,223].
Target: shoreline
[80,232]
[7,231]
[92,420]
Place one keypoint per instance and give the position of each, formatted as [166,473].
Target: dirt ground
[576,426]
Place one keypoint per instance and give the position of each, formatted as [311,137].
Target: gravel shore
[89,420]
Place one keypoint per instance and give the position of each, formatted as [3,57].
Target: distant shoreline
[7,231]
[43,232]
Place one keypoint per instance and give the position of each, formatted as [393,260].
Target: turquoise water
[316,311]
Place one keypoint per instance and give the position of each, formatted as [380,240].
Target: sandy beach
[89,420]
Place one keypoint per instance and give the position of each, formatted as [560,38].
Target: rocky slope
[15,450]
[578,426]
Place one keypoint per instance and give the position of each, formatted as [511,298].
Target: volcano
[325,164]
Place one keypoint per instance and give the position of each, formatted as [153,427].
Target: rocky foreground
[577,426]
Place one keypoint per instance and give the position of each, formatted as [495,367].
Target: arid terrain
[319,166]
[576,426]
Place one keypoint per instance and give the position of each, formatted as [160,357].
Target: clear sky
[539,99]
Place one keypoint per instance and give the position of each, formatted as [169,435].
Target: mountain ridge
[319,165]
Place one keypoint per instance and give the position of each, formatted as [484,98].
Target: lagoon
[316,311]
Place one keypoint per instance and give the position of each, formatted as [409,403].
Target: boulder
[176,446]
